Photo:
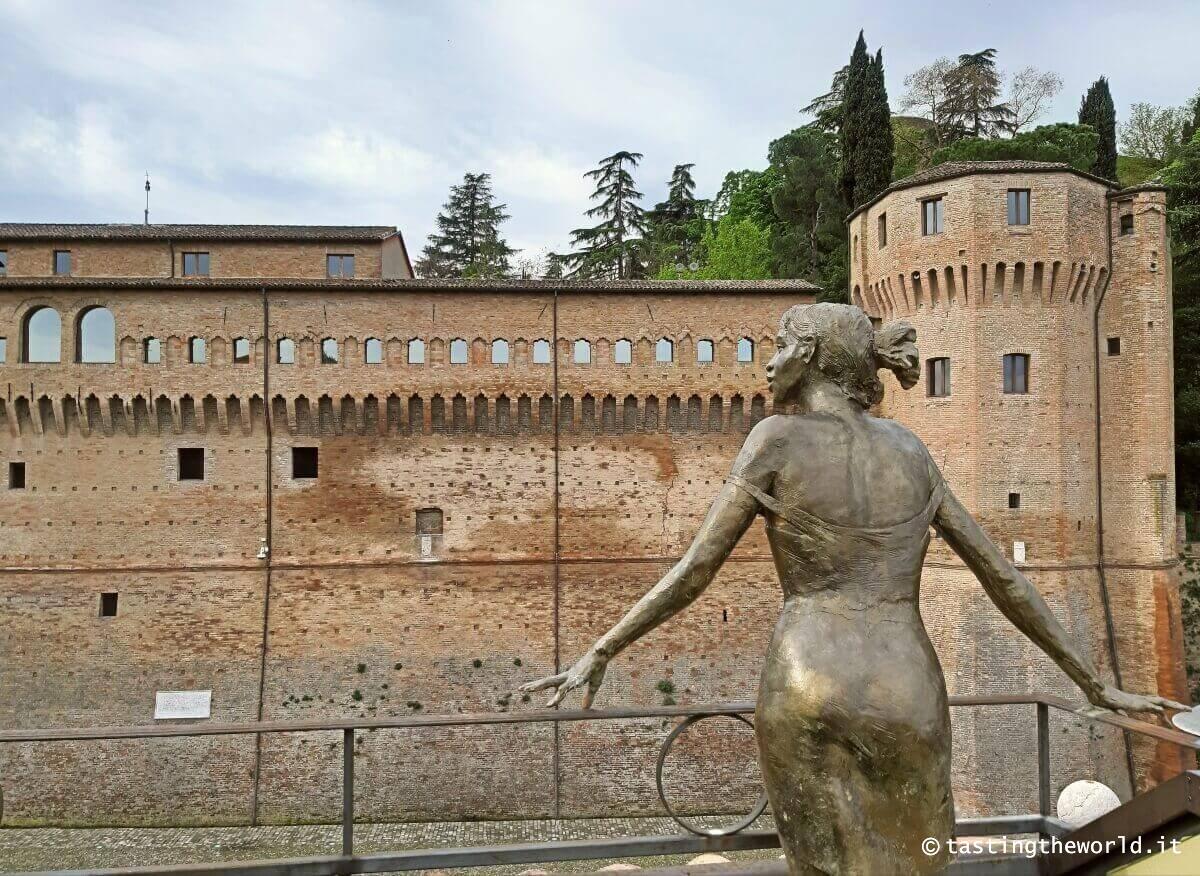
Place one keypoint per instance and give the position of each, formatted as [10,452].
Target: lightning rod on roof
[147,214]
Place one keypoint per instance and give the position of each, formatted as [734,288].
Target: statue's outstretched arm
[728,518]
[1020,602]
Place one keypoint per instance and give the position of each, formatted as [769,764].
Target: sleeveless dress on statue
[852,721]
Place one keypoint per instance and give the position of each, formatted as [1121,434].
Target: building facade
[318,495]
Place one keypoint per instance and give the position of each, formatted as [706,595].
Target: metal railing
[698,839]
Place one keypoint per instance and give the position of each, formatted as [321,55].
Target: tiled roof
[952,169]
[196,284]
[134,231]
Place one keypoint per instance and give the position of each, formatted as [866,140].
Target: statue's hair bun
[896,350]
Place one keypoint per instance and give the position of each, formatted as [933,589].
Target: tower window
[931,216]
[1114,346]
[191,463]
[305,463]
[1014,500]
[937,377]
[108,605]
[195,264]
[340,266]
[62,263]
[1016,373]
[882,230]
[1018,206]
[1126,224]
[16,475]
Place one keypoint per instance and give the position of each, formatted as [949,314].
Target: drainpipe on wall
[267,544]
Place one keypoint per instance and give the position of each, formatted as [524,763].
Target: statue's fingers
[1172,704]
[594,683]
[568,685]
[543,683]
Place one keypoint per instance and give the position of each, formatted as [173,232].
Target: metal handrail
[347,862]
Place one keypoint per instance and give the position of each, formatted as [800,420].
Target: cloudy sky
[365,113]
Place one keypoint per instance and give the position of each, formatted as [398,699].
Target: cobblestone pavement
[80,848]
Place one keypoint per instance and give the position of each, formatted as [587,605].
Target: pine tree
[468,242]
[675,226]
[1097,110]
[973,89]
[612,248]
[866,137]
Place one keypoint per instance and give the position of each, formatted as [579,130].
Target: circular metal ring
[760,805]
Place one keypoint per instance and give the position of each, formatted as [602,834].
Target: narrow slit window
[882,230]
[1018,206]
[16,475]
[108,605]
[938,377]
[195,264]
[3,349]
[191,463]
[1016,373]
[305,463]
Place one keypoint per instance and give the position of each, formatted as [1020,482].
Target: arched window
[745,350]
[152,351]
[241,351]
[41,339]
[329,351]
[499,352]
[458,352]
[96,336]
[704,351]
[286,351]
[664,350]
[197,351]
[541,352]
[373,351]
[416,352]
[583,352]
[623,352]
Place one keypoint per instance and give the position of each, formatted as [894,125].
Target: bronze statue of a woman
[852,721]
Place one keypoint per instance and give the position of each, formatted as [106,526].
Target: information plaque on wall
[172,705]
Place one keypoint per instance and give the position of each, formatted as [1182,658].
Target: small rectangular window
[1016,373]
[195,264]
[3,263]
[1014,500]
[191,463]
[937,378]
[882,230]
[3,349]
[62,262]
[305,463]
[1018,206]
[931,216]
[16,475]
[1114,346]
[108,605]
[1126,224]
[429,521]
[340,266]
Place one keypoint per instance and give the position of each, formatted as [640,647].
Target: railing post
[1043,753]
[348,792]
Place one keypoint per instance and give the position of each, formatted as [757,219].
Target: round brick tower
[1005,269]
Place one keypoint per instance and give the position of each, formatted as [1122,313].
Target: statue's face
[789,366]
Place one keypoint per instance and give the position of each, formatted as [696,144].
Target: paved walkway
[80,848]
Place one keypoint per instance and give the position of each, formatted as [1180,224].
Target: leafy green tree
[973,93]
[1154,132]
[675,226]
[467,242]
[914,146]
[1097,111]
[735,249]
[1072,144]
[1192,118]
[746,194]
[808,239]
[1182,179]
[612,248]
[866,131]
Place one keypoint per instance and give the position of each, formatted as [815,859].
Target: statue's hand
[1119,701]
[589,670]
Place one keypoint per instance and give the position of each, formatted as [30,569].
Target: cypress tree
[1096,109]
[611,249]
[468,242]
[866,137]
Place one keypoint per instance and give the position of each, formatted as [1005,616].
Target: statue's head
[837,343]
